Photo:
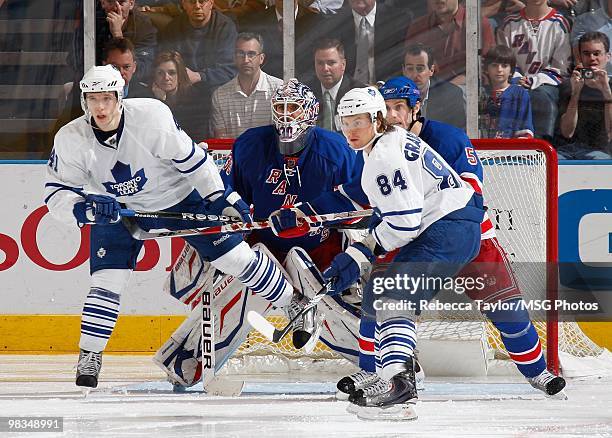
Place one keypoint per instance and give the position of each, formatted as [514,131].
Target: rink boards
[44,264]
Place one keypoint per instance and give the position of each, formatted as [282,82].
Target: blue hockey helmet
[401,87]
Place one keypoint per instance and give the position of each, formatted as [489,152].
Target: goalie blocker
[187,359]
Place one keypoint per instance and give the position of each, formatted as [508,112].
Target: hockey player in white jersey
[427,212]
[134,153]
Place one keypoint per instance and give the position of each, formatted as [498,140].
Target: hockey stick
[238,227]
[126,212]
[266,328]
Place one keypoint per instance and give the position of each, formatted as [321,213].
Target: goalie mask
[294,109]
[100,79]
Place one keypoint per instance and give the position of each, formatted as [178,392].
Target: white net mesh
[515,192]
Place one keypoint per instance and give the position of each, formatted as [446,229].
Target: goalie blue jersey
[268,180]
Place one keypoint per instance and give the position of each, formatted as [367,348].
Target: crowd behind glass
[215,63]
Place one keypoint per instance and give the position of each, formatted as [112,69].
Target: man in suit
[332,83]
[440,100]
[268,23]
[373,38]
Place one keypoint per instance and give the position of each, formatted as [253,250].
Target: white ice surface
[132,400]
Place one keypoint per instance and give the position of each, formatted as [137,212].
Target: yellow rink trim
[46,334]
[60,333]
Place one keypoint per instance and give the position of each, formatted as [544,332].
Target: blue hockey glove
[346,267]
[97,209]
[230,204]
[286,221]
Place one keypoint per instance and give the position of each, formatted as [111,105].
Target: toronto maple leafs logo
[125,183]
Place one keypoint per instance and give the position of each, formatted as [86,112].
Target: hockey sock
[101,308]
[395,340]
[258,272]
[520,338]
[367,327]
[98,319]
[267,280]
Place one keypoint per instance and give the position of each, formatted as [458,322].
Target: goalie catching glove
[97,209]
[228,203]
[287,222]
[346,267]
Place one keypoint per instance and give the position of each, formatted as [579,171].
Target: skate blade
[561,395]
[402,412]
[224,387]
[352,408]
[342,396]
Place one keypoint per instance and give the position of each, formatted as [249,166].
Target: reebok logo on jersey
[125,183]
[221,240]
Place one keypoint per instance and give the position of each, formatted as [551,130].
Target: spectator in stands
[120,53]
[597,18]
[332,84]
[506,109]
[440,99]
[586,103]
[171,85]
[119,19]
[244,102]
[444,31]
[373,38]
[539,37]
[205,38]
[268,23]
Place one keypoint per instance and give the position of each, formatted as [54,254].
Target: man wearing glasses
[119,19]
[244,102]
[441,100]
[205,38]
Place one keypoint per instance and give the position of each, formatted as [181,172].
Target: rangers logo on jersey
[125,183]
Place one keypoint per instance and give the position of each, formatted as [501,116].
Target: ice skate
[549,384]
[88,369]
[304,327]
[350,384]
[393,399]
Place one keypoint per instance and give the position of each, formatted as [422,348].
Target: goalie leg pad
[189,276]
[180,357]
[340,327]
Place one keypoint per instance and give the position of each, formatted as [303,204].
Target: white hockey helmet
[290,124]
[366,100]
[99,79]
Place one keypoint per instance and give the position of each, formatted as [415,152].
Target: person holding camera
[586,103]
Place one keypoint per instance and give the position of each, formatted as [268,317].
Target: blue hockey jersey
[268,180]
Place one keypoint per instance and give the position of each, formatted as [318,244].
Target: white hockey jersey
[149,164]
[411,185]
[541,47]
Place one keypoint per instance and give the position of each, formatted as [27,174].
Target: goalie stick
[266,328]
[238,227]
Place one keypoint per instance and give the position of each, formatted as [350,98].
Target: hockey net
[520,192]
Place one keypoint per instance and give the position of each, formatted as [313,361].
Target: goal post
[552,234]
